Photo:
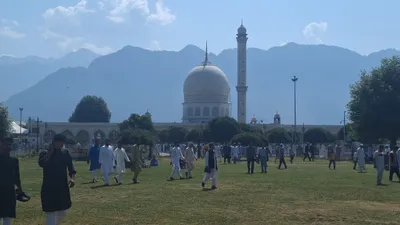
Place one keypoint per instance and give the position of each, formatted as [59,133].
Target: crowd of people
[59,171]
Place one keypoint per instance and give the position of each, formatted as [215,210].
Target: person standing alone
[55,194]
[251,157]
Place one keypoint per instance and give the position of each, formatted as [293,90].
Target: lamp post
[37,135]
[344,126]
[295,79]
[20,124]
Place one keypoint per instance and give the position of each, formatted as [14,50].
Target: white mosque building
[206,96]
[206,93]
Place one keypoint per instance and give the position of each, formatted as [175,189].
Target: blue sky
[52,28]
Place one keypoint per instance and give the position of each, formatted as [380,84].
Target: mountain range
[136,80]
[22,73]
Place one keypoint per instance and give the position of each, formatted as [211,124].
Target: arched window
[190,112]
[197,111]
[206,111]
[215,112]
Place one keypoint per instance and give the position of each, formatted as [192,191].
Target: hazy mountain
[21,73]
[136,80]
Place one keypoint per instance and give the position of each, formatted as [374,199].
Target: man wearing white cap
[361,158]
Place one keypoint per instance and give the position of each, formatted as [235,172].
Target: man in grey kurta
[379,164]
[263,155]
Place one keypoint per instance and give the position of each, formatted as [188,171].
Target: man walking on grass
[379,164]
[281,152]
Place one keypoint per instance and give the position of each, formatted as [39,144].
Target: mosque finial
[241,22]
[206,56]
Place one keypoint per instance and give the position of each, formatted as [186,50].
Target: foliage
[162,136]
[278,135]
[223,129]
[91,109]
[176,134]
[318,135]
[248,138]
[137,129]
[374,105]
[5,122]
[135,136]
[195,135]
[136,121]
[246,128]
[350,135]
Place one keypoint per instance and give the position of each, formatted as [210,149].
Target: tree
[194,135]
[248,138]
[163,136]
[318,135]
[136,121]
[223,129]
[91,109]
[176,134]
[349,133]
[5,122]
[137,129]
[278,135]
[374,105]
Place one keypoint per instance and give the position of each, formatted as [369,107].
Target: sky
[50,28]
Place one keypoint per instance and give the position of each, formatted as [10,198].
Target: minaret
[241,87]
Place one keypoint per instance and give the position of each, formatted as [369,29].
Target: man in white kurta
[361,158]
[189,156]
[106,158]
[120,157]
[176,155]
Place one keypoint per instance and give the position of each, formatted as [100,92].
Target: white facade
[241,87]
[206,94]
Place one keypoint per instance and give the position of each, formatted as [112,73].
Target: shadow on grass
[104,186]
[208,189]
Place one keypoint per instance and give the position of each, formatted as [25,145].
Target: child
[153,161]
[9,172]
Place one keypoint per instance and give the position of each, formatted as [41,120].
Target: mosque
[206,96]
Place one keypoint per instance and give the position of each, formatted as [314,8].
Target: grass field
[307,193]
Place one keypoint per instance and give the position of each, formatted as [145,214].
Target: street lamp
[37,135]
[344,126]
[20,124]
[295,79]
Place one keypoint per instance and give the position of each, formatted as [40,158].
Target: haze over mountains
[22,73]
[136,80]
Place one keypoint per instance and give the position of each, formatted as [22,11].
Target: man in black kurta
[55,195]
[227,151]
[9,173]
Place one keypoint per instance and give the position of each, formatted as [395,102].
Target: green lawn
[307,193]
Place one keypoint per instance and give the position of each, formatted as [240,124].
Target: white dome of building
[206,83]
[206,93]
